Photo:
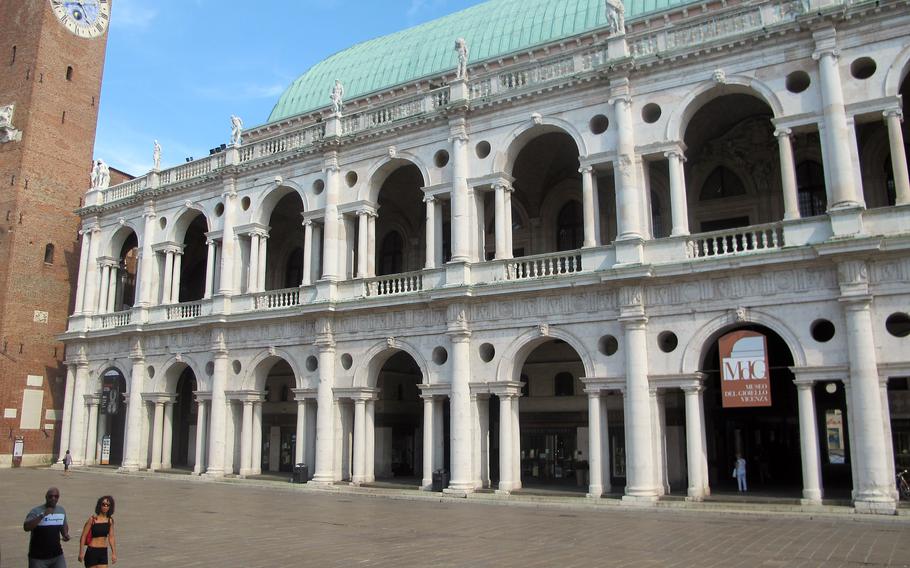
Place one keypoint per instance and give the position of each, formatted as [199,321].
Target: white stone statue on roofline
[461,48]
[616,17]
[156,156]
[236,130]
[101,175]
[337,97]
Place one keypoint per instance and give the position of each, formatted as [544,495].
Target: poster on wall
[834,432]
[110,393]
[106,450]
[744,370]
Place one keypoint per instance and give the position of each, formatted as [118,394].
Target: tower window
[63,118]
[49,254]
[12,59]
[69,73]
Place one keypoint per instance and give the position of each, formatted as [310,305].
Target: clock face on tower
[84,18]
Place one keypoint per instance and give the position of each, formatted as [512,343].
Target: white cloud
[132,14]
[240,92]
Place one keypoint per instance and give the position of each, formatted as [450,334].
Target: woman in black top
[98,534]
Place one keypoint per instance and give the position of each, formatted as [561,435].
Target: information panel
[744,370]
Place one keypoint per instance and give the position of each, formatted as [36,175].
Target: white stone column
[369,471]
[209,268]
[83,268]
[310,455]
[787,173]
[363,231]
[325,414]
[90,305]
[246,439]
[359,441]
[506,469]
[67,411]
[112,288]
[838,161]
[499,212]
[147,258]
[695,455]
[300,436]
[167,293]
[132,460]
[657,440]
[639,453]
[216,448]
[371,245]
[256,465]
[77,425]
[875,483]
[508,223]
[460,409]
[587,202]
[480,405]
[263,261]
[461,230]
[430,230]
[157,435]
[893,118]
[428,447]
[808,435]
[252,276]
[679,204]
[628,192]
[168,435]
[201,427]
[228,248]
[439,439]
[595,459]
[307,253]
[99,436]
[102,290]
[175,282]
[91,438]
[330,244]
[605,446]
[516,444]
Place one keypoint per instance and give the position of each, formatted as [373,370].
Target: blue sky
[177,69]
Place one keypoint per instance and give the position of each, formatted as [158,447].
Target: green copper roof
[493,28]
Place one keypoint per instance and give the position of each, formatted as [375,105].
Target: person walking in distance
[67,462]
[48,525]
[98,534]
[739,472]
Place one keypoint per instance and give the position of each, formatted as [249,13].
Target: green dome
[492,29]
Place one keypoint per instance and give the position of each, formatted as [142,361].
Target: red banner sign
[745,376]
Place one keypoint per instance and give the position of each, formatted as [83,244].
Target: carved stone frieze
[891,271]
[543,306]
[397,320]
[757,285]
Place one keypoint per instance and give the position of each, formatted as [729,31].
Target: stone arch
[381,170]
[519,137]
[169,374]
[122,366]
[184,218]
[691,359]
[398,224]
[367,373]
[118,238]
[897,72]
[707,91]
[515,355]
[265,205]
[260,366]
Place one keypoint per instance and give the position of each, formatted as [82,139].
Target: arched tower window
[570,230]
[810,183]
[391,254]
[69,73]
[49,254]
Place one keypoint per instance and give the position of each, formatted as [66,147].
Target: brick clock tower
[52,57]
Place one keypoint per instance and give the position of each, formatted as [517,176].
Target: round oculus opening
[487,352]
[482,149]
[441,159]
[318,186]
[219,210]
[608,345]
[312,363]
[162,222]
[822,330]
[440,355]
[898,324]
[651,112]
[245,203]
[351,178]
[236,366]
[863,68]
[210,368]
[831,388]
[150,370]
[346,361]
[599,124]
[667,341]
[798,81]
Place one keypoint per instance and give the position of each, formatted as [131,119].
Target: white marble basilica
[511,259]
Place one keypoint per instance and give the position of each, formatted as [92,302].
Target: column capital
[502,186]
[893,112]
[586,169]
[804,384]
[783,133]
[826,51]
[430,199]
[675,153]
[696,389]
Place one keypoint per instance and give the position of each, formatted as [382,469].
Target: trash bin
[301,474]
[440,480]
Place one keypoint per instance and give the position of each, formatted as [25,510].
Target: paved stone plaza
[171,521]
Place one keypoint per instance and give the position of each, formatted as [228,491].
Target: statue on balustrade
[616,17]
[461,48]
[236,130]
[156,156]
[101,175]
[337,96]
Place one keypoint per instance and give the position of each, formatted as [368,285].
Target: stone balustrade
[277,299]
[399,110]
[186,310]
[746,240]
[393,285]
[125,190]
[115,319]
[544,265]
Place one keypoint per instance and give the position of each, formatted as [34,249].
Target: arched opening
[111,419]
[183,447]
[398,443]
[279,420]
[733,167]
[766,435]
[552,419]
[126,284]
[284,257]
[873,141]
[810,186]
[548,187]
[193,263]
[400,227]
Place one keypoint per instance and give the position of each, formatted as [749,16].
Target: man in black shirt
[47,523]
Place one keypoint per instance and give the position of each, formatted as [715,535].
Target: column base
[881,506]
[502,492]
[812,496]
[458,491]
[846,221]
[322,479]
[214,474]
[629,250]
[642,500]
[595,492]
[695,496]
[128,468]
